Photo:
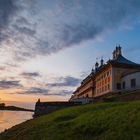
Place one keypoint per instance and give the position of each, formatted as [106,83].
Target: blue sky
[47,47]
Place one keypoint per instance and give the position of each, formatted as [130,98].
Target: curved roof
[122,60]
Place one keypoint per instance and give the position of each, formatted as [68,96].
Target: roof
[122,60]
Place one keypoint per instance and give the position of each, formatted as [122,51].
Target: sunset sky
[48,46]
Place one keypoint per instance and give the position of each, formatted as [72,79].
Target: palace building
[118,74]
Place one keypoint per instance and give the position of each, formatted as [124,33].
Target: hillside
[104,121]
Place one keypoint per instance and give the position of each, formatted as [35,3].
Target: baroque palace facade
[118,74]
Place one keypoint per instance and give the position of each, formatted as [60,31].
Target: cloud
[5,84]
[22,20]
[44,91]
[30,74]
[66,23]
[25,30]
[61,86]
[67,81]
[2,68]
[35,90]
[8,9]
[66,92]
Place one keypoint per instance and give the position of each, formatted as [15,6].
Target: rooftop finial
[102,61]
[96,65]
[92,70]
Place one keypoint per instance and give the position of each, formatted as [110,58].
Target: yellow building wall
[85,90]
[104,82]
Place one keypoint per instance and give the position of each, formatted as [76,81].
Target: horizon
[48,47]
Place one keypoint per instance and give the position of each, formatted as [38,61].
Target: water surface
[11,118]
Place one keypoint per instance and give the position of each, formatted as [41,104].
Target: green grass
[104,121]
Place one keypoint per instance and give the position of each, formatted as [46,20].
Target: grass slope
[105,121]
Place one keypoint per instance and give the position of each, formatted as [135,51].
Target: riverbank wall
[43,108]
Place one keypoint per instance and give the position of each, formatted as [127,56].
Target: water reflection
[11,118]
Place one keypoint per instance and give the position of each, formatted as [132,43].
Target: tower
[117,52]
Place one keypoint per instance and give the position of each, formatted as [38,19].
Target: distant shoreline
[14,108]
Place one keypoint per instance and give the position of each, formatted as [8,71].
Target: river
[11,118]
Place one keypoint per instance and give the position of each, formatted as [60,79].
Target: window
[108,79]
[105,88]
[108,73]
[104,75]
[118,86]
[123,85]
[133,83]
[102,89]
[108,86]
[105,80]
